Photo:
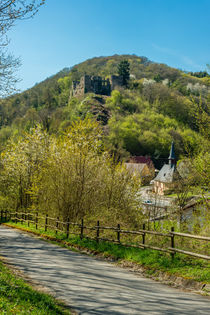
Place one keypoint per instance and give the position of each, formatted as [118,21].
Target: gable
[166,174]
[137,167]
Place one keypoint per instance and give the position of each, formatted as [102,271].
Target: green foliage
[124,71]
[200,162]
[106,66]
[149,133]
[200,74]
[70,176]
[20,165]
[143,119]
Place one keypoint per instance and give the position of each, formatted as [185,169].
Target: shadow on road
[92,286]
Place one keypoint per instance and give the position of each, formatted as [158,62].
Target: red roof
[142,159]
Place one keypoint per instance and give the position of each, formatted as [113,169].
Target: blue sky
[67,32]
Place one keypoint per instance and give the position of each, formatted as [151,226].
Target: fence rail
[66,227]
[198,237]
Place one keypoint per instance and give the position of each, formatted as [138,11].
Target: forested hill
[159,105]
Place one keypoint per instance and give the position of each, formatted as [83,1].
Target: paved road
[92,286]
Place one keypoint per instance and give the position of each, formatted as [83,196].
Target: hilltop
[158,106]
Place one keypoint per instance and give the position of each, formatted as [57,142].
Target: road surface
[92,286]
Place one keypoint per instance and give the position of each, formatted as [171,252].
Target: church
[166,177]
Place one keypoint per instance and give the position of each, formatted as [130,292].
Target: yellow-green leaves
[71,176]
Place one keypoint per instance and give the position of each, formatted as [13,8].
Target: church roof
[172,152]
[166,174]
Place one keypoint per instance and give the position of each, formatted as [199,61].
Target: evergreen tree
[124,71]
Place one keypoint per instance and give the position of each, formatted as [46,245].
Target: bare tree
[8,66]
[10,12]
[183,189]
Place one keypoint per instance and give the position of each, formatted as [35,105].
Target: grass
[17,297]
[151,260]
[195,191]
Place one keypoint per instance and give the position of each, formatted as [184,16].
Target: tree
[182,189]
[11,11]
[8,67]
[124,71]
[201,161]
[21,164]
[71,176]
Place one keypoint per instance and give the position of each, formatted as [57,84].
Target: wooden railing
[95,232]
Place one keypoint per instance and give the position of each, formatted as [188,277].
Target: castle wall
[78,88]
[116,81]
[86,82]
[95,84]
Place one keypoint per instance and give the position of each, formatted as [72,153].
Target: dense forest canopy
[156,107]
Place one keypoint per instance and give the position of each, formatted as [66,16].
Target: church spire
[172,158]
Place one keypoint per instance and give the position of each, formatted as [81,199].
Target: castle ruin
[95,84]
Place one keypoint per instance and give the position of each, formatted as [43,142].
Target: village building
[142,159]
[144,166]
[140,169]
[195,212]
[166,177]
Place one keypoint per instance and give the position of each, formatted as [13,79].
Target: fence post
[118,233]
[28,219]
[172,242]
[56,228]
[46,220]
[6,215]
[22,218]
[97,231]
[82,229]
[1,215]
[67,228]
[16,216]
[143,235]
[36,220]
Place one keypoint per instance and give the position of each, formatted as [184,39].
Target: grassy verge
[153,261]
[17,297]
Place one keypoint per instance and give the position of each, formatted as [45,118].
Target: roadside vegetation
[152,261]
[72,176]
[17,297]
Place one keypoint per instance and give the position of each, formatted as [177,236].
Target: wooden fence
[68,227]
